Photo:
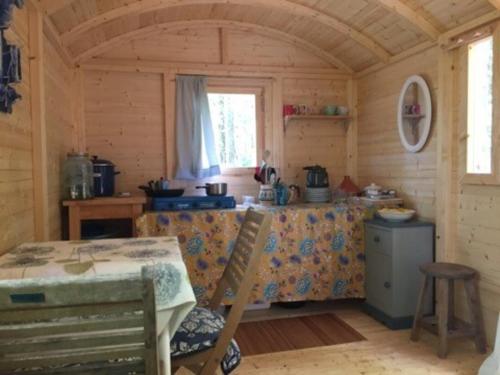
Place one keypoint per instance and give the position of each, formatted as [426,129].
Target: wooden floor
[384,351]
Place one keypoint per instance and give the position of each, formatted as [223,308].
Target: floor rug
[277,335]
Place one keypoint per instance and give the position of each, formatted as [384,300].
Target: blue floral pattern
[339,287]
[271,243]
[167,281]
[307,247]
[271,291]
[338,242]
[195,246]
[303,286]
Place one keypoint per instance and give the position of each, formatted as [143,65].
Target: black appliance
[104,177]
[317,177]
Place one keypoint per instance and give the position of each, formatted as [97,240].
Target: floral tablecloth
[314,252]
[174,293]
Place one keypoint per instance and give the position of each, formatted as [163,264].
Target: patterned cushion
[200,331]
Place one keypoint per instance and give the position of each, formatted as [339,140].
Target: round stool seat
[450,271]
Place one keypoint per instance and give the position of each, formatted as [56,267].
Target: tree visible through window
[235,128]
[480,107]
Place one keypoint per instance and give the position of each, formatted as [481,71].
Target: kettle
[317,177]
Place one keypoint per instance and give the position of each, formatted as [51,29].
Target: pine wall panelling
[61,129]
[248,60]
[477,241]
[382,158]
[16,155]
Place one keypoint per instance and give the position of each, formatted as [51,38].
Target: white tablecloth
[175,297]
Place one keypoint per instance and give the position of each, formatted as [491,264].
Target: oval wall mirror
[414,114]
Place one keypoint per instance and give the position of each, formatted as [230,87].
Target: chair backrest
[240,273]
[79,325]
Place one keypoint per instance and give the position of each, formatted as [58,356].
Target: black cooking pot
[104,177]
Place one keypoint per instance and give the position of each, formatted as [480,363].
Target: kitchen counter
[314,251]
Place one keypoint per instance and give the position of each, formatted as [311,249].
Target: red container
[288,109]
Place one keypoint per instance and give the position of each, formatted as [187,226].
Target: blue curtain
[196,152]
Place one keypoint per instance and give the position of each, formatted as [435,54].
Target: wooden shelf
[413,117]
[291,118]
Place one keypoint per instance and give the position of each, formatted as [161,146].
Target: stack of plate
[318,195]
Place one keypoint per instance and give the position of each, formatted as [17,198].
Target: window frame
[259,119]
[492,178]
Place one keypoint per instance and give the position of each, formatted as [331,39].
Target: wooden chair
[445,324]
[78,326]
[238,276]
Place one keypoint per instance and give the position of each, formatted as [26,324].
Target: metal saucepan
[215,190]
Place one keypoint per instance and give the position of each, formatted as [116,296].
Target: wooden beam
[169,121]
[412,16]
[223,43]
[78,101]
[278,131]
[39,129]
[294,9]
[151,66]
[352,130]
[445,202]
[51,6]
[53,36]
[149,30]
[495,3]
[449,36]
[51,32]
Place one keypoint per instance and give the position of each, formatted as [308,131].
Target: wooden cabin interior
[395,106]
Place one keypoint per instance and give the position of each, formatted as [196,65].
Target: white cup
[248,200]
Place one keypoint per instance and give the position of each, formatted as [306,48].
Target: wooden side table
[102,208]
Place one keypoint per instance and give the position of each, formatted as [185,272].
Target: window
[235,118]
[480,108]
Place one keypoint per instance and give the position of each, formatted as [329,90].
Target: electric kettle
[317,177]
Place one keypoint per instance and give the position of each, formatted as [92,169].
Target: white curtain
[196,152]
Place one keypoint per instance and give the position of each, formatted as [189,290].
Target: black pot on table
[104,177]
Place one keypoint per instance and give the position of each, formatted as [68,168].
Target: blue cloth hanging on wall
[196,150]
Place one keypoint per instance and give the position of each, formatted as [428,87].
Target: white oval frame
[426,109]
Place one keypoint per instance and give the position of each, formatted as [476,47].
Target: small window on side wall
[480,108]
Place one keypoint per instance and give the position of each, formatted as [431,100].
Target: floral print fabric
[200,331]
[314,252]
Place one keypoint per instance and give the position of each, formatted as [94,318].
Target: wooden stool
[445,324]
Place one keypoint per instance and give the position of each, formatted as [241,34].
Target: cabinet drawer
[379,288]
[378,239]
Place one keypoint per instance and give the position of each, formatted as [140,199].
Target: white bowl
[396,215]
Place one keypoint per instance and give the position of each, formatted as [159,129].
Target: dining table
[98,258]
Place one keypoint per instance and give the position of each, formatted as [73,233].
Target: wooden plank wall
[16,157]
[382,158]
[125,123]
[17,213]
[309,142]
[478,225]
[60,124]
[126,119]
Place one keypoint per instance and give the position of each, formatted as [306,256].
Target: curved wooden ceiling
[351,35]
